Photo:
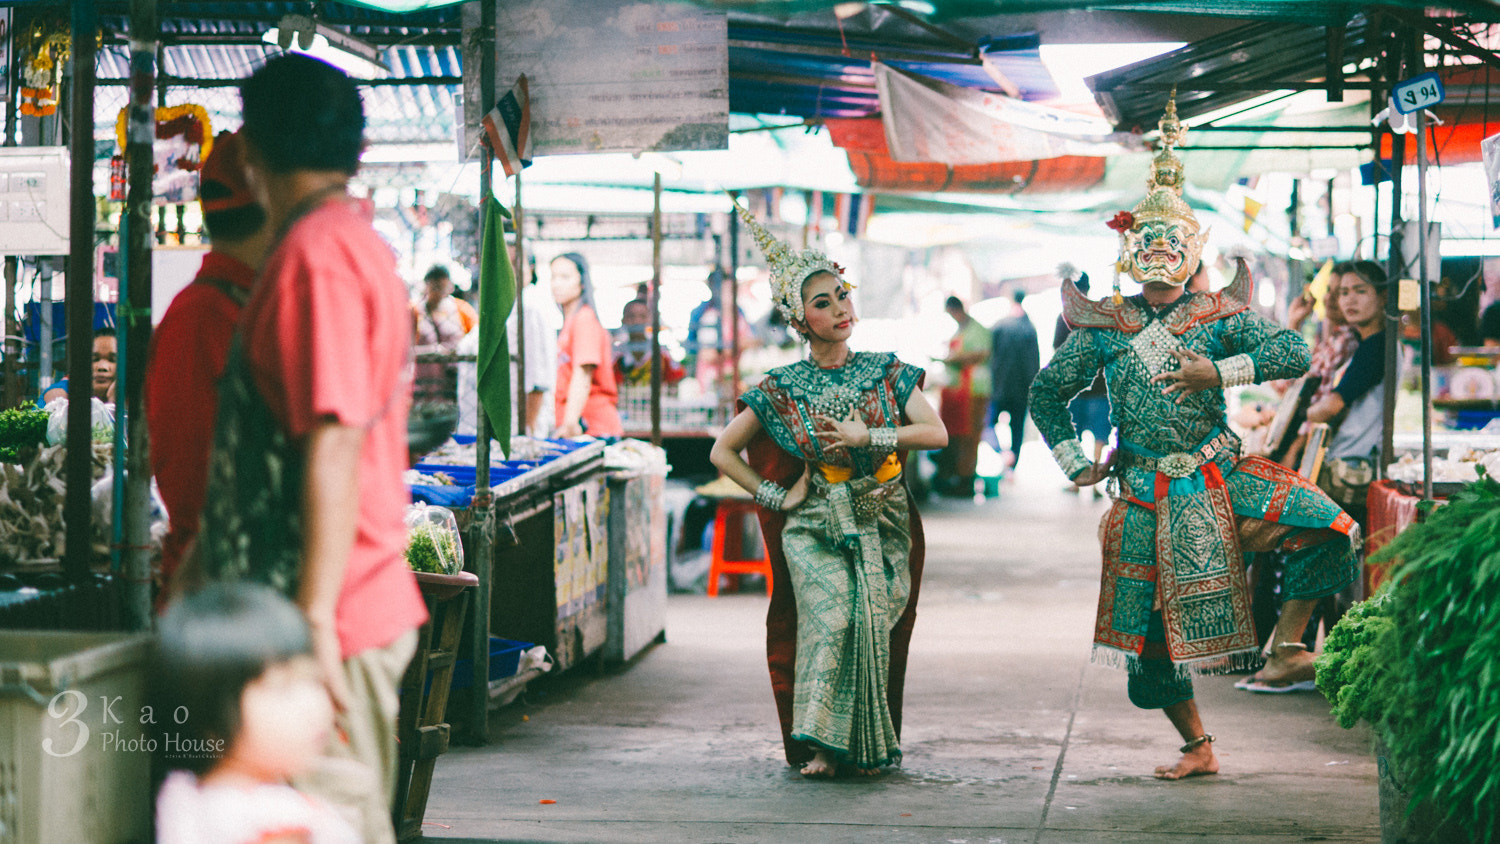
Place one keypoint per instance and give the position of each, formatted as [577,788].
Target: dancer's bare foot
[1287,664]
[822,765]
[1197,762]
[866,772]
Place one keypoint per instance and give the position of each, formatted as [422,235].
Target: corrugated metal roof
[341,14]
[1229,68]
[206,74]
[960,12]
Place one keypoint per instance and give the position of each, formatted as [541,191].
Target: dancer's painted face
[829,310]
[1162,252]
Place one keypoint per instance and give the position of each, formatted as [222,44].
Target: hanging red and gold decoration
[184,138]
[43,56]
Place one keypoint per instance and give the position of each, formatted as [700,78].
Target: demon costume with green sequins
[1174,597]
[846,564]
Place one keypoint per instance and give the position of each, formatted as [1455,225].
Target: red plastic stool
[729,532]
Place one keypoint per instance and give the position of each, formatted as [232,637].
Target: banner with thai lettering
[931,120]
[618,75]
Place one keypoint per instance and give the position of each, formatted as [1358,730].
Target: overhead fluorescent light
[302,34]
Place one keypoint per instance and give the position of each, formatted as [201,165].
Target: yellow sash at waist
[884,472]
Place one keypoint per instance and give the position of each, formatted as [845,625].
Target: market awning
[828,73]
[1234,67]
[943,11]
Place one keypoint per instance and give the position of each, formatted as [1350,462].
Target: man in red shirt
[189,348]
[305,486]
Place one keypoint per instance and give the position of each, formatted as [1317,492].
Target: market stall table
[547,569]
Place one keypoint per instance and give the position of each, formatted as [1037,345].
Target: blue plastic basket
[505,660]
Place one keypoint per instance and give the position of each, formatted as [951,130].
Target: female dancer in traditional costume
[1174,598]
[827,439]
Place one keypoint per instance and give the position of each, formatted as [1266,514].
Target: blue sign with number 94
[1418,92]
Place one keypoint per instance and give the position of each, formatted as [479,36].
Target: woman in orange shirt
[587,403]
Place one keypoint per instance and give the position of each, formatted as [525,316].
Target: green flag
[497,295]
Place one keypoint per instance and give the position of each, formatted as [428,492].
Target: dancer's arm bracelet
[770,495]
[883,440]
[1069,456]
[1236,371]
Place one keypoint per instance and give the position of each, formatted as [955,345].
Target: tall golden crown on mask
[789,268]
[1163,202]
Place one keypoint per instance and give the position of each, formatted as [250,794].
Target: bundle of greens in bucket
[1420,662]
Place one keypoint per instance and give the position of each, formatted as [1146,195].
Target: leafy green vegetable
[1356,661]
[21,428]
[431,549]
[1433,679]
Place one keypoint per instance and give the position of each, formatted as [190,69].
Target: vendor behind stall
[439,322]
[633,356]
[106,347]
[587,398]
[1358,399]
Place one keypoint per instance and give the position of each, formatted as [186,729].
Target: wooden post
[1426,287]
[483,505]
[522,282]
[656,310]
[734,313]
[133,318]
[77,507]
[1395,267]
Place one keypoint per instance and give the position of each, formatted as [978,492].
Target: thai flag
[508,124]
[853,212]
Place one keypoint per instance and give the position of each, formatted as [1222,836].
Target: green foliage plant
[1423,663]
[1356,662]
[21,428]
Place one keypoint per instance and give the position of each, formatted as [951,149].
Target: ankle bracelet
[1206,738]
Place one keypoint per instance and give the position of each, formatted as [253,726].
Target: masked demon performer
[1174,599]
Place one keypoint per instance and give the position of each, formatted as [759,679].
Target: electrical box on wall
[33,201]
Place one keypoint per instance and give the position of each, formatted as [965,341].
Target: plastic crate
[505,658]
[74,763]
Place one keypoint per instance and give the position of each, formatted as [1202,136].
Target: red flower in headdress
[837,267]
[1122,222]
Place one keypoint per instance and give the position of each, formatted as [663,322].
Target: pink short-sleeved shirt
[584,342]
[328,337]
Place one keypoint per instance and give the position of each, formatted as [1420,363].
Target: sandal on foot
[1264,688]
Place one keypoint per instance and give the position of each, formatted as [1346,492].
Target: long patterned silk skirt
[848,561]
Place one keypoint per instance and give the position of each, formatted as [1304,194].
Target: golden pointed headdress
[789,268]
[1163,202]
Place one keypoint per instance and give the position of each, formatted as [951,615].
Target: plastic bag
[101,420]
[432,541]
[536,657]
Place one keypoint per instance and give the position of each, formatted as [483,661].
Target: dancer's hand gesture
[849,432]
[1097,472]
[1195,372]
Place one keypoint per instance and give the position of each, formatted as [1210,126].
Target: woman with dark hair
[1334,349]
[827,439]
[587,403]
[1359,394]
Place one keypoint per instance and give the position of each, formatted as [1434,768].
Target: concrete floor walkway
[1011,736]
